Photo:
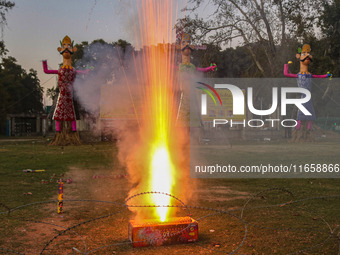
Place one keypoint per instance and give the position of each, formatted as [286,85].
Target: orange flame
[159,151]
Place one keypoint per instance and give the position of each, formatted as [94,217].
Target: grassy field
[308,223]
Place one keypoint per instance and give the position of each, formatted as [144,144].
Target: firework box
[173,231]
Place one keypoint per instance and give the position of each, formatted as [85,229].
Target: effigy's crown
[66,40]
[306,48]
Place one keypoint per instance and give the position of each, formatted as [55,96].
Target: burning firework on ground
[158,157]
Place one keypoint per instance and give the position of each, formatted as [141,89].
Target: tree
[23,90]
[124,45]
[98,50]
[5,6]
[20,92]
[328,49]
[52,93]
[259,25]
[330,25]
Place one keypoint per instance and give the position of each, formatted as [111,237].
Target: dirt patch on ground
[220,193]
[99,185]
[85,185]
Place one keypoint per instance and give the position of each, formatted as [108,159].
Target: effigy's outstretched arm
[287,73]
[46,68]
[212,67]
[322,75]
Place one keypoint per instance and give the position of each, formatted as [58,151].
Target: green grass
[16,156]
[271,230]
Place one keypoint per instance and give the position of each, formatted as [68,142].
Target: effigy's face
[67,50]
[305,58]
[67,53]
[186,52]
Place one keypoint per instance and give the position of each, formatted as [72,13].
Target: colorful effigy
[64,112]
[187,70]
[304,80]
[186,65]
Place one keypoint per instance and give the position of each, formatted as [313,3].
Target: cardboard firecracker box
[173,231]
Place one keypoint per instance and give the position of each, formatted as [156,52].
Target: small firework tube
[33,171]
[60,196]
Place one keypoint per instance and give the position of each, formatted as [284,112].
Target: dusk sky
[36,27]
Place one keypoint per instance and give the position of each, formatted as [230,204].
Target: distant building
[26,124]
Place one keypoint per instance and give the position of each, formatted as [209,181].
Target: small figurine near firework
[33,170]
[60,196]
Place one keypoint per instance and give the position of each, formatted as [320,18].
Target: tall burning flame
[158,155]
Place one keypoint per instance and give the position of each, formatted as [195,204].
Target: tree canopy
[20,91]
[270,30]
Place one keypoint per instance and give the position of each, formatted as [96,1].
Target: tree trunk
[66,136]
[257,63]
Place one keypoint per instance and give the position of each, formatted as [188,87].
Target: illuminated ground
[278,229]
